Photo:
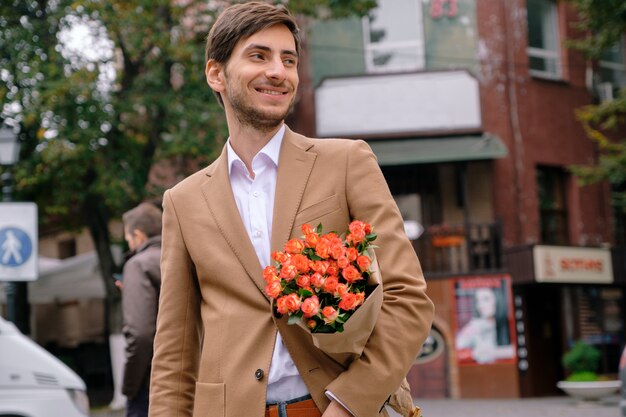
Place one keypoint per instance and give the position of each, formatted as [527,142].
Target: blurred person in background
[140,295]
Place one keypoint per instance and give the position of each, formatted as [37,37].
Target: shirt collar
[271,149]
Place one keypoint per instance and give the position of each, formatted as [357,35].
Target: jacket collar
[296,162]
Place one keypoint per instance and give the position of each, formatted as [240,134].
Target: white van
[34,383]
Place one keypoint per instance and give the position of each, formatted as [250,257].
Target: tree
[604,24]
[94,120]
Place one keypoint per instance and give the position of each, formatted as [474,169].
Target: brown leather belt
[306,408]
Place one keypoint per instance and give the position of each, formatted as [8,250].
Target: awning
[444,149]
[73,278]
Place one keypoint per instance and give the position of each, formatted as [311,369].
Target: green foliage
[602,24]
[582,377]
[581,358]
[85,136]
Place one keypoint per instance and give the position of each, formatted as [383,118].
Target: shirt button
[256,193]
[258,233]
[258,374]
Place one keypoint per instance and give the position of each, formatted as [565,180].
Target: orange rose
[317,280]
[303,281]
[307,229]
[280,257]
[322,249]
[364,262]
[273,289]
[270,274]
[341,290]
[301,263]
[293,302]
[320,267]
[330,314]
[310,307]
[288,272]
[294,246]
[361,297]
[352,254]
[281,305]
[349,301]
[332,269]
[311,324]
[343,262]
[311,240]
[337,250]
[330,284]
[351,274]
[358,227]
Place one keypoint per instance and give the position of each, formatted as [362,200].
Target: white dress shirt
[255,201]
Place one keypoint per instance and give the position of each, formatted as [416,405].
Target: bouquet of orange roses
[321,281]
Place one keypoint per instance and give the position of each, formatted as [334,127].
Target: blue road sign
[15,247]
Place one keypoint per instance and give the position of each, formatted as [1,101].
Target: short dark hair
[241,21]
[146,217]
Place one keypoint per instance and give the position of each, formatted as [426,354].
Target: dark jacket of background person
[142,281]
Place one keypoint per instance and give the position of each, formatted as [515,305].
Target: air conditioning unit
[605,92]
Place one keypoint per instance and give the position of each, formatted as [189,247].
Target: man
[218,349]
[140,297]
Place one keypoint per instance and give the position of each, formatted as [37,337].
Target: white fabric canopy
[61,280]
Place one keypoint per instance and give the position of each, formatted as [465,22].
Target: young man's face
[259,82]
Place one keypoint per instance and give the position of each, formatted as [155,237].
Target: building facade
[470,109]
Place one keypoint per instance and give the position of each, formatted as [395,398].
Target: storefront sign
[567,264]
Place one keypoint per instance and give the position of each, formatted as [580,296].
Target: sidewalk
[527,407]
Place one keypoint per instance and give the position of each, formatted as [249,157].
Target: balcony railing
[471,248]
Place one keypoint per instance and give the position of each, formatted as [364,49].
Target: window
[612,71]
[543,39]
[394,39]
[552,206]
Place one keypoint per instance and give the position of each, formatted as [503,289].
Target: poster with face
[483,320]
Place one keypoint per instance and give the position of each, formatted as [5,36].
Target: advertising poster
[483,320]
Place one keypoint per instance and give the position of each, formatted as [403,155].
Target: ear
[139,236]
[215,75]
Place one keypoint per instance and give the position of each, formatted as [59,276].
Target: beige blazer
[215,330]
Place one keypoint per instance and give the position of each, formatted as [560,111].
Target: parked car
[34,383]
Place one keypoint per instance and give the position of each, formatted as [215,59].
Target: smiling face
[258,83]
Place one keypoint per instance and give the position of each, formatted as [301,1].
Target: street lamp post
[16,291]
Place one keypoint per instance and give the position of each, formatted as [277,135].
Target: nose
[276,70]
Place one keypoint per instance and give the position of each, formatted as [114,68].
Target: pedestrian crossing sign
[18,242]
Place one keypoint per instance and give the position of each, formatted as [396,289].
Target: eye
[257,56]
[290,61]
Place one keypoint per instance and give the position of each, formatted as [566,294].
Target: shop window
[394,39]
[611,71]
[543,39]
[552,205]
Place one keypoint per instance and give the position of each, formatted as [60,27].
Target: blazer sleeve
[178,334]
[406,314]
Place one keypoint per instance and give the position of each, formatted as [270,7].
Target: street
[535,407]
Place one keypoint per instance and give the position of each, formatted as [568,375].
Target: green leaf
[293,319]
[305,293]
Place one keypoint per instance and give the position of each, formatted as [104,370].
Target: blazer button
[258,374]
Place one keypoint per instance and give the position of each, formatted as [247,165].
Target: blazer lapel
[294,168]
[219,197]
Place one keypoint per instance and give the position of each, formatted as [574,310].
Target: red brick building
[470,108]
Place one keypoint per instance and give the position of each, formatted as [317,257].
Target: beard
[250,116]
